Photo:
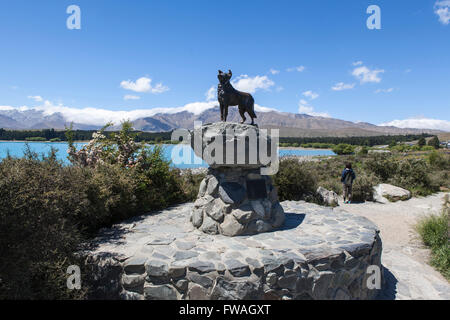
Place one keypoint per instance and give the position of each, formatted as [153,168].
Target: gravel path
[408,274]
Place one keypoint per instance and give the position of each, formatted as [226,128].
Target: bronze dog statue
[229,96]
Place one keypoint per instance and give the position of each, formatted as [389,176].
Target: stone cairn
[235,198]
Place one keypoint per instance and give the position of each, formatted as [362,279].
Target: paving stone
[237,268]
[159,292]
[201,266]
[156,268]
[184,255]
[135,265]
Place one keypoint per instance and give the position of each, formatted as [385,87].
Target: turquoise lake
[16,149]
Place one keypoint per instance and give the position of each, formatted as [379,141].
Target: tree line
[84,135]
[78,135]
[356,141]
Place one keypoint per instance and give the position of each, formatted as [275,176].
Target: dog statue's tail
[251,110]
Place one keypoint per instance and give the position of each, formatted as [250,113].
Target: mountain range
[290,124]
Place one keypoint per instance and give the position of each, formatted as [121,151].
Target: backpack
[348,178]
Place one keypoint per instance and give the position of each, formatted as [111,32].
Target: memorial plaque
[256,189]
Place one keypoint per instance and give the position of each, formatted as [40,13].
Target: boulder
[330,198]
[386,192]
[231,227]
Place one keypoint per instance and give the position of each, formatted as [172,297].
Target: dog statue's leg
[242,113]
[221,112]
[225,113]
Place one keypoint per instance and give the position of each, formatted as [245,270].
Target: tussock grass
[434,231]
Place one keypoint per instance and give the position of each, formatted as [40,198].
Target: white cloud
[420,123]
[299,69]
[131,97]
[384,90]
[36,98]
[365,75]
[211,94]
[249,84]
[357,63]
[143,84]
[6,108]
[273,71]
[9,108]
[343,86]
[264,109]
[310,94]
[99,117]
[442,9]
[304,107]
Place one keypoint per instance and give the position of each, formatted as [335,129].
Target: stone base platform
[317,254]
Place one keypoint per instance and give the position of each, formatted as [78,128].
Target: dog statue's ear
[229,72]
[220,72]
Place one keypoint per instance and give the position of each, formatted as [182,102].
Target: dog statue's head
[224,77]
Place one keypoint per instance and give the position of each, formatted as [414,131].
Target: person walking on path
[348,175]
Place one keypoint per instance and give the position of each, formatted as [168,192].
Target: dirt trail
[408,274]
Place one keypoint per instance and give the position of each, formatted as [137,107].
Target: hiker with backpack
[348,175]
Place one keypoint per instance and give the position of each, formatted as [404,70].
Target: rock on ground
[386,192]
[330,198]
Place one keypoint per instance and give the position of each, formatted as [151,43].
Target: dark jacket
[348,171]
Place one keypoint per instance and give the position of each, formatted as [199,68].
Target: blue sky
[291,55]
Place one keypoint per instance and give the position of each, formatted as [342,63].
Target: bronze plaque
[256,189]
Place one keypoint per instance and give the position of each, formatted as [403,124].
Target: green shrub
[434,233]
[39,203]
[439,160]
[427,148]
[401,148]
[55,140]
[343,148]
[434,142]
[48,210]
[191,184]
[295,181]
[413,174]
[363,151]
[363,187]
[382,166]
[35,139]
[318,145]
[421,142]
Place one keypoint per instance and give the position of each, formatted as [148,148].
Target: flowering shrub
[118,148]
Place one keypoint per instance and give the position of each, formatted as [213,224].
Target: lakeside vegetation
[53,135]
[354,141]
